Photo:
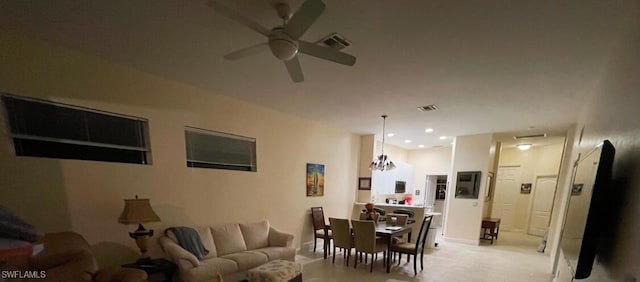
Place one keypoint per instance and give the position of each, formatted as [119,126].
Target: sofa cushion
[205,236]
[228,239]
[285,253]
[256,235]
[247,260]
[220,265]
[207,241]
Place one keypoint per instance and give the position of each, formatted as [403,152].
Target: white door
[540,215]
[506,194]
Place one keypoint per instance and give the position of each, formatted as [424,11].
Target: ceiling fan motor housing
[281,44]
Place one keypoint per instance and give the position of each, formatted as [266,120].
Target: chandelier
[382,162]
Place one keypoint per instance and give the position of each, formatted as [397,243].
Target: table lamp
[139,211]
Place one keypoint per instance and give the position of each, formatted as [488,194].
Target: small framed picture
[525,188]
[576,189]
[364,183]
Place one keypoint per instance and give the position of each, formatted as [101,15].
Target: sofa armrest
[120,274]
[177,253]
[279,239]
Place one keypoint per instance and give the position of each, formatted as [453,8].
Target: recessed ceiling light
[428,130]
[524,147]
[420,146]
[443,137]
[390,134]
[407,141]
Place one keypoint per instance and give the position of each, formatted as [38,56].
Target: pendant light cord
[384,123]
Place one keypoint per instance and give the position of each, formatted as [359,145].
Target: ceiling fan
[284,41]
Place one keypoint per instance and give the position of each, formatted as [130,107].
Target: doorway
[435,196]
[542,204]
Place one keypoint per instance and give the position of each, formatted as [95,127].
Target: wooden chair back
[422,235]
[317,216]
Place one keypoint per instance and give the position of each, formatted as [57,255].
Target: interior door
[540,216]
[506,194]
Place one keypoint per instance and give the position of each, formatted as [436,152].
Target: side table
[155,267]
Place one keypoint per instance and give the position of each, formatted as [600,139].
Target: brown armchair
[67,257]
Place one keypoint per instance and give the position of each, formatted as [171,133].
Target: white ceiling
[490,66]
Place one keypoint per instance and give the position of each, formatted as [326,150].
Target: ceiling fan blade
[239,54]
[304,18]
[295,70]
[229,13]
[326,53]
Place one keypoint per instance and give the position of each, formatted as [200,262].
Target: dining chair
[408,212]
[365,241]
[342,237]
[320,229]
[417,247]
[400,220]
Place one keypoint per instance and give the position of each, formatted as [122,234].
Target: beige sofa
[233,250]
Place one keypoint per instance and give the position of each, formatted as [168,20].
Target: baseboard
[462,241]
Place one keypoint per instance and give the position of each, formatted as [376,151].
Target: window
[211,149]
[52,130]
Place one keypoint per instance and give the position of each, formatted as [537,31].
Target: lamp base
[142,236]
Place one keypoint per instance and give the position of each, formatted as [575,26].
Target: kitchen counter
[392,205]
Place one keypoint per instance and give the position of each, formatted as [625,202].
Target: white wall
[464,216]
[87,196]
[611,112]
[366,157]
[429,161]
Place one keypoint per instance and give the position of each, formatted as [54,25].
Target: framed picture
[576,189]
[315,180]
[525,188]
[489,186]
[364,183]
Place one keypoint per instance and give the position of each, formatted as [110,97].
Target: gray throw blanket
[189,239]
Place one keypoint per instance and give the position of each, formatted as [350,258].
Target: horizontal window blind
[47,129]
[211,149]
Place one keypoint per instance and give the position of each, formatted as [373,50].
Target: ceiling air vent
[428,108]
[530,136]
[335,41]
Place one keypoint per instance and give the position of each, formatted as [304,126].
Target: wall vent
[335,41]
[428,108]
[530,136]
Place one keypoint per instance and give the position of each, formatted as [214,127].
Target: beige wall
[537,161]
[366,156]
[612,113]
[87,196]
[494,157]
[464,216]
[430,161]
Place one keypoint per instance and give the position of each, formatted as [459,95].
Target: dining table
[389,231]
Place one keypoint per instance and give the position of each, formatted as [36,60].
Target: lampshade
[382,162]
[137,211]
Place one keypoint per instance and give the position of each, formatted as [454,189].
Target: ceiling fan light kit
[284,41]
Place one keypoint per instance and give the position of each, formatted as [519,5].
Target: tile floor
[511,258]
